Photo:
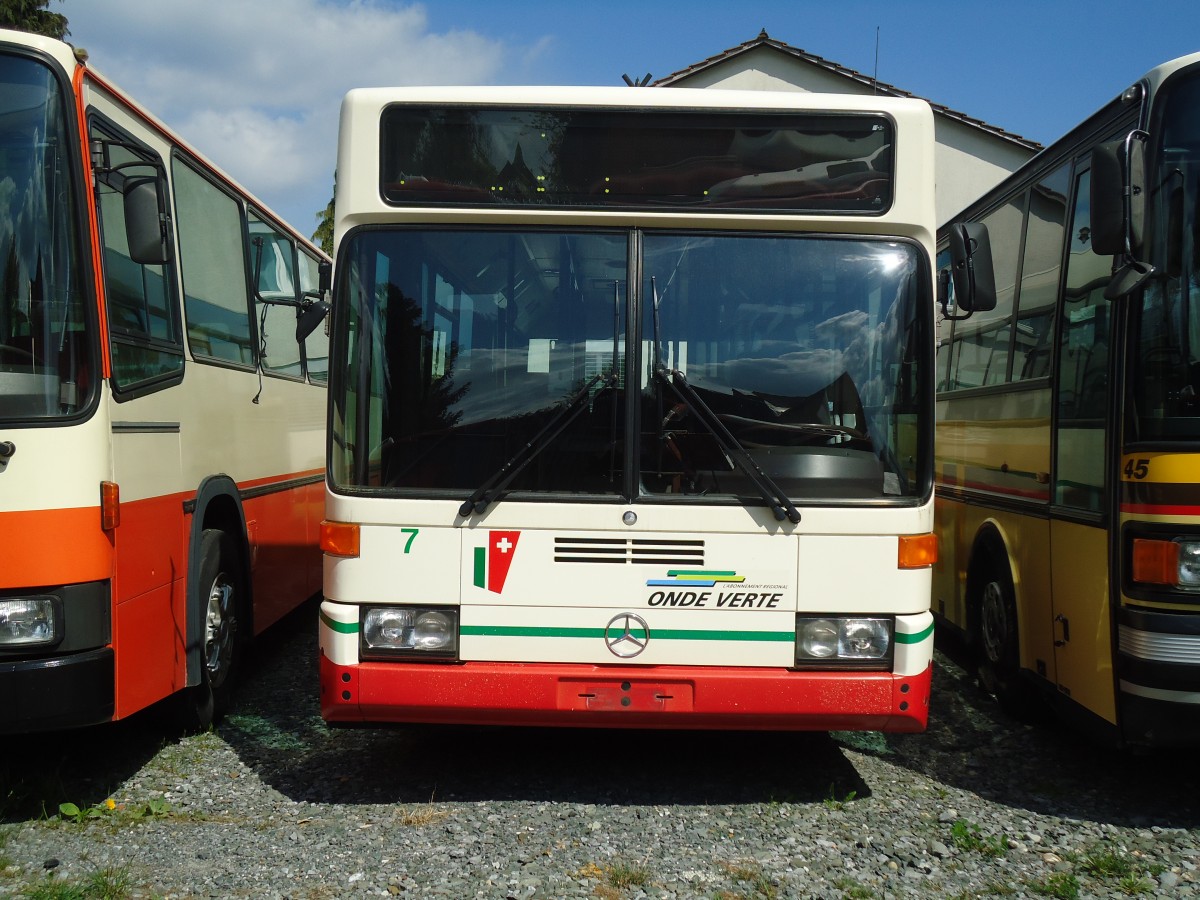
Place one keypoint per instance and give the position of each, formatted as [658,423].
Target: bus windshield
[46,357]
[1166,377]
[503,357]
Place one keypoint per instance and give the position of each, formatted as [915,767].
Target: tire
[221,593]
[996,638]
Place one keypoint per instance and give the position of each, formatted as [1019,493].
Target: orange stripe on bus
[53,546]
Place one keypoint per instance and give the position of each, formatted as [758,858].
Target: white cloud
[255,86]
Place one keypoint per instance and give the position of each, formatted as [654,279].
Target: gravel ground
[274,804]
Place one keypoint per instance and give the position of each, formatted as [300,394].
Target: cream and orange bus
[1068,436]
[162,396]
[632,410]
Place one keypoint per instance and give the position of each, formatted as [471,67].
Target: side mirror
[1118,195]
[144,222]
[1118,209]
[971,267]
[1107,199]
[310,317]
[324,277]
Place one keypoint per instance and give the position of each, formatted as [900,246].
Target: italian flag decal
[492,562]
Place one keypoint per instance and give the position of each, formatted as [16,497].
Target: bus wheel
[221,586]
[996,635]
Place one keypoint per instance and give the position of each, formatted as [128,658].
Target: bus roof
[625,97]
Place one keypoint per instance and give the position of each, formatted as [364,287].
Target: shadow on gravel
[83,766]
[276,729]
[1040,765]
[971,744]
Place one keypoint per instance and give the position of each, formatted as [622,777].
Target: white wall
[967,162]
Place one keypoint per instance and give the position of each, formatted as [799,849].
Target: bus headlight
[850,642]
[30,621]
[410,631]
[1189,565]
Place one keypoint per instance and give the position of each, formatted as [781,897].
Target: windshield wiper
[821,429]
[494,487]
[781,505]
[772,493]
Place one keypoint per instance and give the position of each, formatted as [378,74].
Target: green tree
[324,233]
[32,15]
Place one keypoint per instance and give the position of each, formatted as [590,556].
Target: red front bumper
[624,696]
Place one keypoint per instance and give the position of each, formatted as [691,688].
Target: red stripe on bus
[1159,509]
[546,694]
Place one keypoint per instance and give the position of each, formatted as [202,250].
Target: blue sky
[256,84]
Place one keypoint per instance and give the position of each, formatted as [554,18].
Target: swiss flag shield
[502,546]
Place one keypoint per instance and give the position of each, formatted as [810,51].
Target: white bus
[161,407]
[631,410]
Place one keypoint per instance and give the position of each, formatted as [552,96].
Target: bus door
[1081,612]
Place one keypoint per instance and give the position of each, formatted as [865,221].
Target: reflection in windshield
[802,347]
[44,348]
[837,162]
[1167,356]
[468,350]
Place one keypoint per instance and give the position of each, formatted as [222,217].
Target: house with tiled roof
[971,156]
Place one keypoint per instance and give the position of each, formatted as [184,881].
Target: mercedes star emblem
[626,635]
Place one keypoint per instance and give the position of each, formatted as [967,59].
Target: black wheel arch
[218,505]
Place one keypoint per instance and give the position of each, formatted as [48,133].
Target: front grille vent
[623,551]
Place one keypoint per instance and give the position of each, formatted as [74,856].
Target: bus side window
[143,319]
[316,345]
[215,295]
[1082,389]
[273,261]
[979,350]
[1045,224]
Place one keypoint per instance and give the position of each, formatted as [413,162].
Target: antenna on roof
[875,77]
[641,82]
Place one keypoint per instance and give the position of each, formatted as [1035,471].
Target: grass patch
[621,874]
[110,883]
[422,815]
[753,875]
[1061,885]
[968,837]
[116,814]
[1109,864]
[1106,864]
[832,802]
[852,889]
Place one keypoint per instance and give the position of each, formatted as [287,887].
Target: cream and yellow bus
[162,403]
[631,410]
[1068,435]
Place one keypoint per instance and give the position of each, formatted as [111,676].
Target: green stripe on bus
[480,558]
[915,638]
[340,627]
[664,634]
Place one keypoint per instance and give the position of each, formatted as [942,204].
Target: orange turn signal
[110,505]
[339,538]
[917,551]
[1155,562]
